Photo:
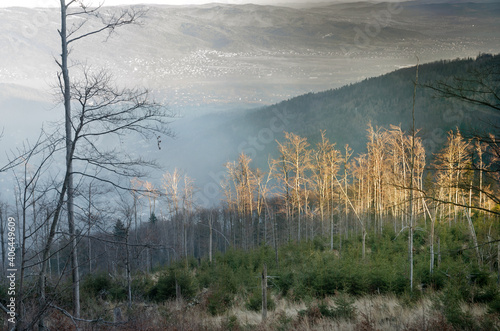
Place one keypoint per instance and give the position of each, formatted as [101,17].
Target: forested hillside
[382,101]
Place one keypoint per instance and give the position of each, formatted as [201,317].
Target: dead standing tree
[29,167]
[296,157]
[102,109]
[479,87]
[473,164]
[68,36]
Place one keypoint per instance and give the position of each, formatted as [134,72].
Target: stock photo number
[11,269]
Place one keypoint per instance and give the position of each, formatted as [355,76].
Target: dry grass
[372,313]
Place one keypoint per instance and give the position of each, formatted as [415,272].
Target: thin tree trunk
[69,162]
[474,237]
[20,294]
[480,154]
[266,215]
[129,278]
[45,256]
[431,266]
[275,238]
[331,231]
[89,219]
[412,171]
[364,243]
[264,293]
[210,223]
[439,252]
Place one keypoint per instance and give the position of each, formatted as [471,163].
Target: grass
[371,312]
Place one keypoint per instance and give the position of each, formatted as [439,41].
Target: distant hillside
[345,112]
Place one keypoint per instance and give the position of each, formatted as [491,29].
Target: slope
[382,101]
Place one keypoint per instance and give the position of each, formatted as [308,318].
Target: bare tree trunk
[473,235]
[23,271]
[89,219]
[265,224]
[363,249]
[480,155]
[410,235]
[412,171]
[129,278]
[439,252]
[275,239]
[264,293]
[331,231]
[45,257]
[69,161]
[346,209]
[431,268]
[184,236]
[210,223]
[331,214]
[431,245]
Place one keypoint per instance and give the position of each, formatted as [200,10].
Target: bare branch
[125,17]
[94,321]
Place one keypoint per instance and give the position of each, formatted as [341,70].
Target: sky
[55,3]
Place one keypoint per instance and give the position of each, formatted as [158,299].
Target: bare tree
[242,178]
[479,87]
[68,36]
[188,210]
[412,174]
[94,107]
[127,211]
[324,166]
[296,157]
[172,190]
[29,167]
